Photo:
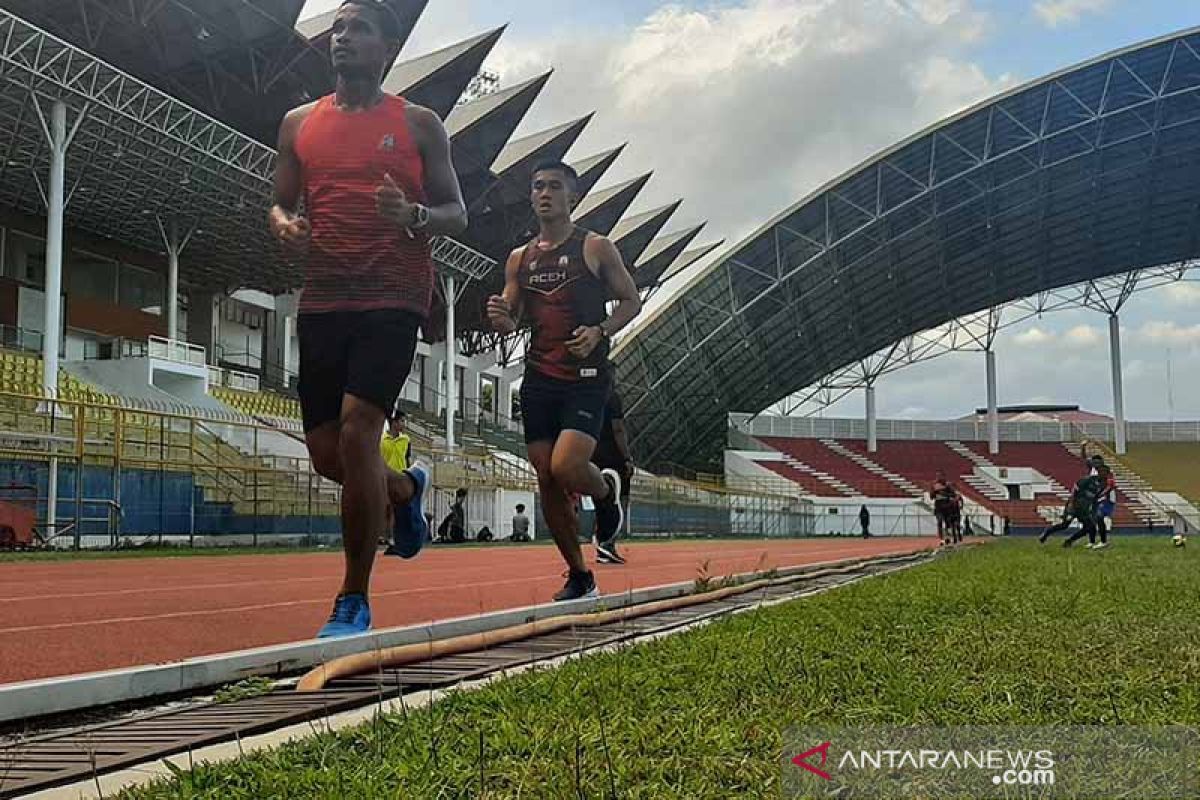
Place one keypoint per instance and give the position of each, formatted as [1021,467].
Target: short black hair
[520,508]
[559,166]
[385,17]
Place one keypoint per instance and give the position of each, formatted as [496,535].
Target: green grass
[1006,634]
[242,690]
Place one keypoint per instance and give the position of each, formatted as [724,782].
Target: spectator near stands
[454,526]
[396,446]
[520,525]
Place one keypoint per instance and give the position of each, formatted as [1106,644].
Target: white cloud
[1034,337]
[1053,13]
[1083,336]
[1169,334]
[743,108]
[1183,294]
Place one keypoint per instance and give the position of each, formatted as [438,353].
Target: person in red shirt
[376,179]
[562,282]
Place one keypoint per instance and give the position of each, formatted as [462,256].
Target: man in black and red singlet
[376,179]
[561,282]
[945,505]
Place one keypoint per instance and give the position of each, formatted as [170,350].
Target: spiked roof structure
[177,104]
[437,80]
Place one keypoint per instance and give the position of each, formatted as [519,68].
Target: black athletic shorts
[364,353]
[550,406]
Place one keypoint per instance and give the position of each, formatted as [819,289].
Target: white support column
[1114,341]
[175,246]
[173,285]
[55,201]
[451,360]
[872,423]
[993,412]
[59,140]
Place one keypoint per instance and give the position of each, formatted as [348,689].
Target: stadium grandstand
[147,402]
[1077,190]
[148,321]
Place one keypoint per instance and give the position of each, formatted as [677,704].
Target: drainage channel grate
[66,757]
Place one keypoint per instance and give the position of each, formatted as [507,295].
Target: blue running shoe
[351,615]
[411,529]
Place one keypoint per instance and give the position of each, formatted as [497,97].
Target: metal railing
[177,351]
[970,430]
[178,477]
[115,349]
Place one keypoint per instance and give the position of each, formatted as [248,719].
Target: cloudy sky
[742,107]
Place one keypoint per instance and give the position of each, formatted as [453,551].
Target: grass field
[1005,634]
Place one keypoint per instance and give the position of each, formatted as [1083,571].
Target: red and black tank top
[357,261]
[559,294]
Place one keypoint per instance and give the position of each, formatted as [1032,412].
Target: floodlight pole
[1114,341]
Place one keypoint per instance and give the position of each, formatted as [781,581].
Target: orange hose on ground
[376,660]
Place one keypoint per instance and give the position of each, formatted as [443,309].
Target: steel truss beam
[139,155]
[1086,179]
[977,333]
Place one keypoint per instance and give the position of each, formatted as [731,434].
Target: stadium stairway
[796,469]
[833,468]
[857,452]
[813,480]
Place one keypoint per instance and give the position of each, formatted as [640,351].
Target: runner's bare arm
[285,223]
[447,211]
[605,261]
[504,310]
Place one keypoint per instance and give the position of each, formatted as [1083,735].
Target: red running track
[63,618]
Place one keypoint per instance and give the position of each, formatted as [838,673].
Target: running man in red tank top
[562,282]
[376,180]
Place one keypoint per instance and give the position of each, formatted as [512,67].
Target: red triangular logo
[802,760]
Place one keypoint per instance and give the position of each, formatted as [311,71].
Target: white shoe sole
[595,592]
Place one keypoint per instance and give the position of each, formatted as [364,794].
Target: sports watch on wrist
[420,217]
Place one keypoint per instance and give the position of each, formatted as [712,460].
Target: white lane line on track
[286,604]
[252,581]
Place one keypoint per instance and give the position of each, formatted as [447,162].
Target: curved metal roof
[1091,171]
